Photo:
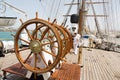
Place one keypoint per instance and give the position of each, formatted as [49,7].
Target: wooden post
[80,29]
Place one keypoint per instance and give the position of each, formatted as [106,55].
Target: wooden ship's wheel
[44,38]
[66,39]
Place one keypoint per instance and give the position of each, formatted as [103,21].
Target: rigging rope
[117,23]
[116,13]
[112,13]
[96,21]
[51,8]
[65,17]
[78,6]
[105,18]
[44,10]
[58,8]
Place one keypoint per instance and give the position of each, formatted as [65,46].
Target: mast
[80,28]
[81,16]
[81,24]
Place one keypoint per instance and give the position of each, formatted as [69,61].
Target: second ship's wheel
[65,39]
[38,45]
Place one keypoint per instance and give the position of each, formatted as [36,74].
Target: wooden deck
[97,65]
[100,65]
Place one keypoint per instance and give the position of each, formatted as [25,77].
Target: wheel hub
[35,46]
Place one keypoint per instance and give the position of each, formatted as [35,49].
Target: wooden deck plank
[105,67]
[91,61]
[100,65]
[95,68]
[114,65]
[91,71]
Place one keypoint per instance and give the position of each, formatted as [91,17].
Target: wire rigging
[52,5]
[117,23]
[112,17]
[96,21]
[65,17]
[105,18]
[58,8]
[44,10]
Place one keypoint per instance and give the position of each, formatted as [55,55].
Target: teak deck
[100,65]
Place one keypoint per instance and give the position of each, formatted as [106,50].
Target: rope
[117,22]
[96,21]
[116,13]
[65,17]
[105,18]
[112,12]
[78,6]
[51,8]
[58,8]
[44,10]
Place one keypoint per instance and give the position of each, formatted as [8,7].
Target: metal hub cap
[35,46]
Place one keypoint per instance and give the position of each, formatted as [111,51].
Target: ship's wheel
[37,45]
[45,38]
[66,39]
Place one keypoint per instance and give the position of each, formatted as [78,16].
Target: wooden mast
[80,28]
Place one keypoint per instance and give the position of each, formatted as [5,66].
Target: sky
[43,8]
[46,9]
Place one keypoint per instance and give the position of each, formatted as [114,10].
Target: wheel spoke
[28,57]
[53,54]
[24,40]
[29,34]
[40,31]
[55,46]
[36,30]
[64,39]
[35,76]
[49,52]
[43,59]
[44,33]
[24,49]
[35,63]
[40,27]
[50,34]
[51,37]
[49,43]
